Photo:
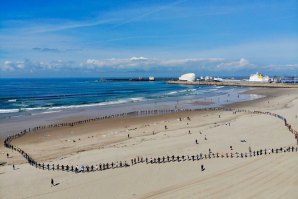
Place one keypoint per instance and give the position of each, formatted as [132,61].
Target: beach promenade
[245,150]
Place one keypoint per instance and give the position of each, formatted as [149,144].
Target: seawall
[237,83]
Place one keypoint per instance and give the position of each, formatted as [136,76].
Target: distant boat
[151,78]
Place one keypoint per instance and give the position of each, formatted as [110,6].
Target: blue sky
[141,38]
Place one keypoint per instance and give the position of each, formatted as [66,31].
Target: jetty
[236,83]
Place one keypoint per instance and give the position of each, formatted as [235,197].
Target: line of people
[121,164]
[157,160]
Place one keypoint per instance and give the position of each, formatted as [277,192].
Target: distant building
[189,77]
[276,79]
[289,80]
[210,79]
[259,77]
[151,78]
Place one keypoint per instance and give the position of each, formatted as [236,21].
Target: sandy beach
[183,133]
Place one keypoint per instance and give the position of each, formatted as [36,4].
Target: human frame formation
[149,160]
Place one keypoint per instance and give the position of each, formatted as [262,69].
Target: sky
[165,38]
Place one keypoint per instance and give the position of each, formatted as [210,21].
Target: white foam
[47,112]
[121,101]
[213,89]
[12,100]
[181,91]
[9,110]
[33,109]
[137,99]
[172,93]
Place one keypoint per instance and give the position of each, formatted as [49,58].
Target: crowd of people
[148,160]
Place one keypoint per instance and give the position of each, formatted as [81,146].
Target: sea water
[25,97]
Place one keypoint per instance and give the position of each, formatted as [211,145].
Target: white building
[190,77]
[258,77]
[151,78]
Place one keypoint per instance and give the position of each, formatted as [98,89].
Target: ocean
[23,97]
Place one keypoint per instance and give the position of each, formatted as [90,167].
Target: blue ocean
[28,96]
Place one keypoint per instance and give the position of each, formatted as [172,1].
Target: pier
[236,83]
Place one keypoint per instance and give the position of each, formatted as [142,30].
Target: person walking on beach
[202,167]
[52,182]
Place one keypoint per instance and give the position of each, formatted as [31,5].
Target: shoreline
[15,124]
[117,122]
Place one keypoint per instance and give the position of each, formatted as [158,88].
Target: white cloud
[205,65]
[35,65]
[271,50]
[11,66]
[285,67]
[243,62]
[138,59]
[209,64]
[118,63]
[236,65]
[7,66]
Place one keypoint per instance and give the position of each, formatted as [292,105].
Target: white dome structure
[189,77]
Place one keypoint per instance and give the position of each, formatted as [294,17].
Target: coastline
[115,124]
[109,143]
[14,124]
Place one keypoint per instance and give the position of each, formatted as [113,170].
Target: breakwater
[236,83]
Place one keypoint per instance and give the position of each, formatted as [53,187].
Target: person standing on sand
[202,167]
[52,182]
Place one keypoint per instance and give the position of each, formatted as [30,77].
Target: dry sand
[271,176]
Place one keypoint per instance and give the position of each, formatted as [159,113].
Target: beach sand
[271,176]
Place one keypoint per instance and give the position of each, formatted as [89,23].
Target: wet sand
[274,176]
